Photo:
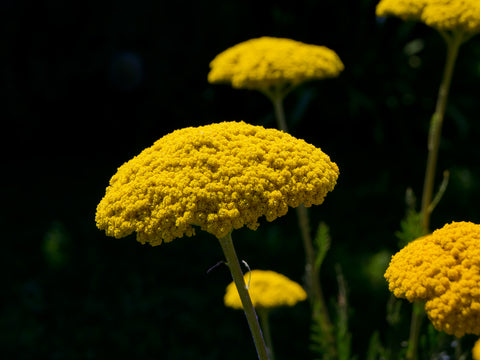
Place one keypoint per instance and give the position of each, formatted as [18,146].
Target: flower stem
[263,313]
[279,112]
[415,324]
[311,272]
[237,275]
[453,45]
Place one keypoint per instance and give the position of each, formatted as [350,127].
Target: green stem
[311,273]
[279,112]
[415,325]
[453,45]
[263,313]
[237,275]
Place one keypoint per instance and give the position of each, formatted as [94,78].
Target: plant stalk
[311,272]
[277,101]
[453,42]
[453,45]
[263,313]
[237,275]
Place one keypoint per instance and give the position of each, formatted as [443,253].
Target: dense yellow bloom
[443,15]
[442,269]
[476,350]
[218,177]
[267,289]
[264,62]
[404,9]
[463,15]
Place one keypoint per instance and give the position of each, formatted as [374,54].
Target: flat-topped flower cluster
[443,15]
[442,269]
[268,289]
[262,63]
[218,177]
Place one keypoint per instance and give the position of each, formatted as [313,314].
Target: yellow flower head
[442,269]
[265,62]
[443,15]
[476,350]
[404,9]
[450,15]
[219,177]
[267,289]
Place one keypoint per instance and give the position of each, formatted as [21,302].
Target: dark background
[87,85]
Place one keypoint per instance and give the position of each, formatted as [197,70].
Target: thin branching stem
[453,45]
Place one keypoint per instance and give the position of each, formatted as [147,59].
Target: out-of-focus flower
[218,177]
[451,15]
[476,350]
[443,270]
[404,9]
[266,62]
[443,15]
[268,289]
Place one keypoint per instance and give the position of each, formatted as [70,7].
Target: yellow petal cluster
[218,177]
[463,15]
[476,350]
[443,15]
[443,270]
[403,9]
[264,62]
[267,289]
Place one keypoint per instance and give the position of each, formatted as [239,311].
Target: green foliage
[322,244]
[55,243]
[375,349]
[411,225]
[375,267]
[343,335]
[393,311]
[343,338]
[318,336]
[319,344]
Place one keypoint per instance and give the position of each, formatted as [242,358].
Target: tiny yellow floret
[217,177]
[443,270]
[476,350]
[268,289]
[266,62]
[443,15]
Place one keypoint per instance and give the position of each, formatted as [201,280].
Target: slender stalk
[277,101]
[237,275]
[415,325]
[453,45]
[263,313]
[311,273]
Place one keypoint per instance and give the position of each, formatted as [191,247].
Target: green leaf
[411,225]
[322,243]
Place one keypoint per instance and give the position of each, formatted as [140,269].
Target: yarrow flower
[268,289]
[443,15]
[443,270]
[476,350]
[218,177]
[262,63]
[404,9]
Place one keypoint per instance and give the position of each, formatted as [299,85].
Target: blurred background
[85,86]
